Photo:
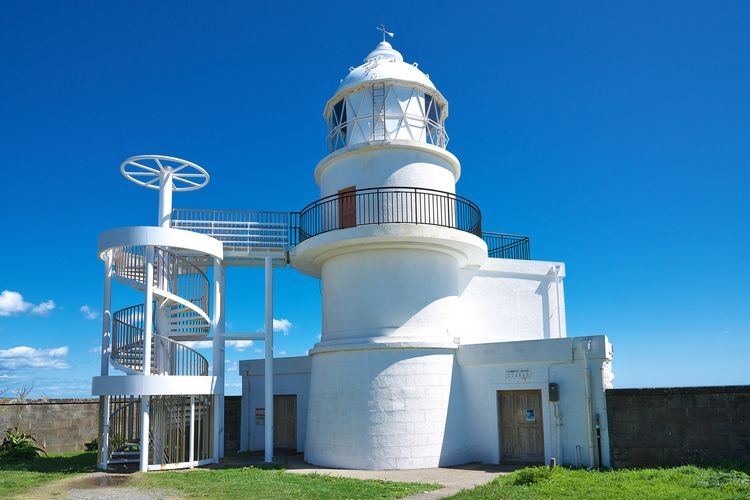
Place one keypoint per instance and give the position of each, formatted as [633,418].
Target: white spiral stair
[181,300]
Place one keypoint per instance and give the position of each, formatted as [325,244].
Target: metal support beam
[219,286]
[106,349]
[192,431]
[148,326]
[269,360]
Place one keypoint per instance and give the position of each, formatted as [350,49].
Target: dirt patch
[97,485]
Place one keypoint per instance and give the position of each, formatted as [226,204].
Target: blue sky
[615,135]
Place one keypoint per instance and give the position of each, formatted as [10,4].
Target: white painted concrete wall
[415,165]
[291,376]
[507,300]
[384,409]
[392,293]
[488,368]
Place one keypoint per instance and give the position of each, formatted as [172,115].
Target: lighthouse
[441,343]
[387,240]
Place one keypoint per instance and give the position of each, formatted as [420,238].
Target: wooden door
[347,207]
[521,426]
[285,422]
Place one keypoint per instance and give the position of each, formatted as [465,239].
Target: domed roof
[384,63]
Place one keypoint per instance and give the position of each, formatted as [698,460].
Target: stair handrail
[172,273]
[127,334]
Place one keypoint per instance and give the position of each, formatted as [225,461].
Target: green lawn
[251,482]
[684,482]
[17,477]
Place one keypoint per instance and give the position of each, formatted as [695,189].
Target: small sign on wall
[517,374]
[530,415]
[260,416]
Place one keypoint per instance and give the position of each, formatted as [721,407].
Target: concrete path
[453,479]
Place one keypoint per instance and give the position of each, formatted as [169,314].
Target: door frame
[543,408]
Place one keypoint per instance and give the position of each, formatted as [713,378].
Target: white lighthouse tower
[387,238]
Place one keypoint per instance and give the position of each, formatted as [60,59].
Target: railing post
[192,431]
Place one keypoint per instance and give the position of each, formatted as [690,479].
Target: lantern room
[386,99]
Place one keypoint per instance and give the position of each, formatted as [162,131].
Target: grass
[685,482]
[19,476]
[271,483]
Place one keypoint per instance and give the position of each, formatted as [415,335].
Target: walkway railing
[507,246]
[391,205]
[237,229]
[254,230]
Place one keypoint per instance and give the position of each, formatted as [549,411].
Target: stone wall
[670,426]
[59,425]
[62,425]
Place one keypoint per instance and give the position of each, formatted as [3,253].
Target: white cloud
[29,357]
[198,344]
[13,303]
[89,313]
[282,325]
[281,353]
[239,345]
[96,350]
[44,308]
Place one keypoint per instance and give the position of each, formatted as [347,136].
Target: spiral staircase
[163,410]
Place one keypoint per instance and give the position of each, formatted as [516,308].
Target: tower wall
[389,295]
[424,166]
[381,409]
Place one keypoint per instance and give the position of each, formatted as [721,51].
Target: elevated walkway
[248,236]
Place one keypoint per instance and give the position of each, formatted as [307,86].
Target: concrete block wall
[59,425]
[63,425]
[671,426]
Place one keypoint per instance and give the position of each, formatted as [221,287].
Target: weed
[19,445]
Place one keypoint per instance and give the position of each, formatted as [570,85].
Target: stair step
[123,461]
[125,454]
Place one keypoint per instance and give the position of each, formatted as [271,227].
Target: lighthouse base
[385,408]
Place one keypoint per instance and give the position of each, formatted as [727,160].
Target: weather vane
[385,31]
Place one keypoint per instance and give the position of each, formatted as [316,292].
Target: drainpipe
[556,269]
[587,392]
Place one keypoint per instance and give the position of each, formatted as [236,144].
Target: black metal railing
[168,357]
[507,246]
[389,205]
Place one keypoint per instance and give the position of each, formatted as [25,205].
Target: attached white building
[440,344]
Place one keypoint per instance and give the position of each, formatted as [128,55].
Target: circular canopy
[384,62]
[148,170]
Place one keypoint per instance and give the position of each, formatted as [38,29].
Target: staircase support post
[218,356]
[269,361]
[106,349]
[145,408]
[192,431]
[148,325]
